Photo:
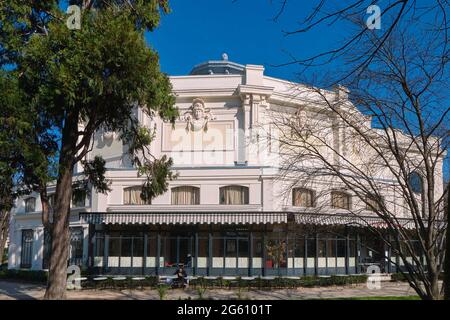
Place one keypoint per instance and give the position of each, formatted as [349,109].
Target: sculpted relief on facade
[197,117]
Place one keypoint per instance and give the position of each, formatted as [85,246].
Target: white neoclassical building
[228,211]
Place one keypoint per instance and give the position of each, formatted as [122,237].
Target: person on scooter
[181,275]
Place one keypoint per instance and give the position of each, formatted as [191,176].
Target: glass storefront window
[218,253]
[138,251]
[276,250]
[299,247]
[243,248]
[331,248]
[99,249]
[322,249]
[203,253]
[311,252]
[352,248]
[114,251]
[257,247]
[341,248]
[231,247]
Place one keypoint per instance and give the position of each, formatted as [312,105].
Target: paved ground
[17,290]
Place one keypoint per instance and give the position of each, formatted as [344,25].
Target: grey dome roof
[218,67]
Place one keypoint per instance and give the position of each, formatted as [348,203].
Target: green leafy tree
[23,164]
[76,82]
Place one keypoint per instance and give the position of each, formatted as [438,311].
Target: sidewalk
[25,291]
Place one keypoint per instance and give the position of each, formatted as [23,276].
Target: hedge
[400,276]
[24,275]
[281,282]
[152,281]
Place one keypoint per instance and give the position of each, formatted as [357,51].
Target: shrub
[201,293]
[162,291]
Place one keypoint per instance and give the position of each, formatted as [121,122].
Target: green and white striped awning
[185,218]
[173,218]
[349,220]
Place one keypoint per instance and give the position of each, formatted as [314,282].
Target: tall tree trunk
[4,228]
[56,285]
[447,250]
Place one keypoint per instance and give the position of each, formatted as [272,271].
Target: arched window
[30,204]
[415,182]
[373,203]
[234,195]
[340,200]
[302,197]
[185,195]
[132,196]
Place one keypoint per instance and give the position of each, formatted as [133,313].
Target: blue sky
[201,30]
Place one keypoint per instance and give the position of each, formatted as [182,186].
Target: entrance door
[177,250]
[372,254]
[27,249]
[185,250]
[76,246]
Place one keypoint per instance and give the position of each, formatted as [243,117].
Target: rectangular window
[185,195]
[114,246]
[126,247]
[78,198]
[311,252]
[243,247]
[218,247]
[234,195]
[276,250]
[341,248]
[151,246]
[138,251]
[30,205]
[257,247]
[340,200]
[138,247]
[231,247]
[302,198]
[322,248]
[373,203]
[331,248]
[27,249]
[203,246]
[299,249]
[352,248]
[132,196]
[99,245]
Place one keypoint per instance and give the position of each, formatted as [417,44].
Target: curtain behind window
[132,196]
[234,195]
[302,198]
[185,195]
[373,203]
[340,200]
